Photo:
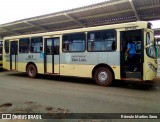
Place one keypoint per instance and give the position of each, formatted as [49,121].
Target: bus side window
[74,42]
[104,40]
[36,44]
[24,45]
[113,45]
[6,46]
[41,48]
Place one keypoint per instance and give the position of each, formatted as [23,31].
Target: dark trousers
[132,61]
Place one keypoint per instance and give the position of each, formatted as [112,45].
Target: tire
[103,76]
[31,71]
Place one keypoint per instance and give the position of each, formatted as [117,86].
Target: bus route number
[30,57]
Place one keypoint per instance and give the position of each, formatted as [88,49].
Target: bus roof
[138,24]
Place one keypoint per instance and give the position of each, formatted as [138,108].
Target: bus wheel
[103,76]
[31,71]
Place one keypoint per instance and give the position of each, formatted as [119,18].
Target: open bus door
[13,55]
[136,36]
[51,56]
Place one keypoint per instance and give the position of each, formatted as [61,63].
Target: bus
[92,52]
[1,48]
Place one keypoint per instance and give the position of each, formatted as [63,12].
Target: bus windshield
[150,47]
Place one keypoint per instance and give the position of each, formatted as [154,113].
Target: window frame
[73,34]
[28,45]
[115,32]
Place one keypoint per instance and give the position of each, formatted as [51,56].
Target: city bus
[92,52]
[1,48]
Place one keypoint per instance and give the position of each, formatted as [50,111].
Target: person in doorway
[131,52]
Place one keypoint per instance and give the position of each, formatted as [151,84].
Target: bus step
[133,74]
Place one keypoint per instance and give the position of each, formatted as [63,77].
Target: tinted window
[6,46]
[36,44]
[24,45]
[104,40]
[49,47]
[14,47]
[52,46]
[56,46]
[74,42]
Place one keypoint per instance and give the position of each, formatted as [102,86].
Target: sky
[13,10]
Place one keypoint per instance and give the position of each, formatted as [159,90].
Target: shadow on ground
[152,85]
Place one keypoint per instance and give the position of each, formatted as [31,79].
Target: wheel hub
[31,71]
[102,76]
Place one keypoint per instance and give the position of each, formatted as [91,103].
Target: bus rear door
[51,55]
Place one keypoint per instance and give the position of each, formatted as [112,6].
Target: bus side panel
[82,64]
[76,70]
[114,61]
[149,68]
[22,67]
[150,73]
[24,59]
[6,61]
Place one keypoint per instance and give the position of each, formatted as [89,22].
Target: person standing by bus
[131,52]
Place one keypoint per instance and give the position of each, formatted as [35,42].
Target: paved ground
[18,93]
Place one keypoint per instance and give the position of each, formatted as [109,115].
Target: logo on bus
[75,58]
[78,58]
[30,57]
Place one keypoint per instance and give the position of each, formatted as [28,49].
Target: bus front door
[51,55]
[132,69]
[13,55]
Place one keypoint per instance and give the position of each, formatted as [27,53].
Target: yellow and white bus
[1,48]
[91,52]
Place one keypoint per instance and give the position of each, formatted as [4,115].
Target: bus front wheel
[31,71]
[103,76]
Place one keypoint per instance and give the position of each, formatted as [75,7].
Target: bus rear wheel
[31,71]
[103,76]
